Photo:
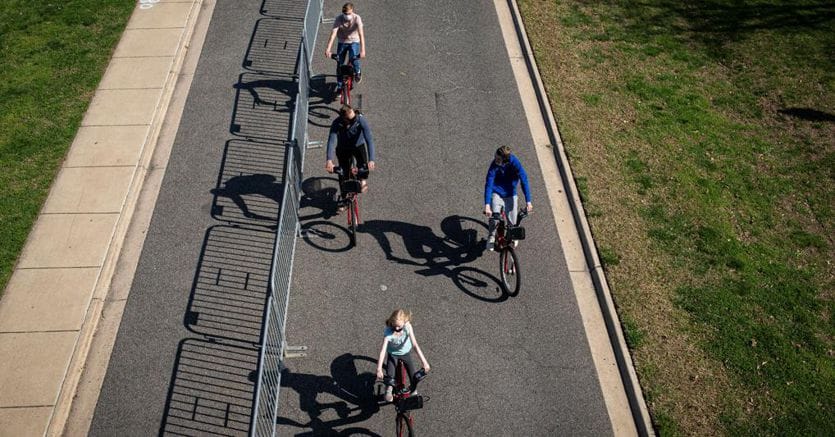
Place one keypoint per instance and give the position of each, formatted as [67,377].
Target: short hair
[348,7]
[343,111]
[504,152]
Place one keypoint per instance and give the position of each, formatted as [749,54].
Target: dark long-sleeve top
[503,178]
[356,134]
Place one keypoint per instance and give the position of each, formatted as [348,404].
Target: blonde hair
[399,314]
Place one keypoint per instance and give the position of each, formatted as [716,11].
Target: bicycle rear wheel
[353,213]
[346,91]
[404,425]
[510,273]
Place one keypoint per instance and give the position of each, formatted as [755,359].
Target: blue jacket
[502,180]
[356,134]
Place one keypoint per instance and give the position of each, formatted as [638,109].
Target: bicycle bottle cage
[515,233]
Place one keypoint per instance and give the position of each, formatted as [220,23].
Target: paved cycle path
[440,95]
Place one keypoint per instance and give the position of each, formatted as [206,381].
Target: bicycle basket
[351,186]
[411,403]
[515,233]
[346,70]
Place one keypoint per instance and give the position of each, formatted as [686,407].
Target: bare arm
[330,42]
[418,350]
[362,42]
[381,359]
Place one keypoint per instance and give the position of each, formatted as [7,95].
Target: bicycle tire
[510,272]
[404,425]
[353,213]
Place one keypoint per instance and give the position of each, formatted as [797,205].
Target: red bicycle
[352,187]
[405,401]
[346,73]
[506,236]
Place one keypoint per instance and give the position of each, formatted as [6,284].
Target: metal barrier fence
[273,338]
[312,17]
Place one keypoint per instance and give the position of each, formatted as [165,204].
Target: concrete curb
[90,326]
[640,412]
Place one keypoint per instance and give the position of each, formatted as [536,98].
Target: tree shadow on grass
[714,23]
[808,114]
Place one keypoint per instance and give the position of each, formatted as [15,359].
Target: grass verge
[704,136]
[52,56]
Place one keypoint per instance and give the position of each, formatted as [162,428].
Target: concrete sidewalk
[54,299]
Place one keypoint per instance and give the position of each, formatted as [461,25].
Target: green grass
[730,153]
[52,56]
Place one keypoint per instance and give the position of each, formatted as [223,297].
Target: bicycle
[352,187]
[405,401]
[509,268]
[347,73]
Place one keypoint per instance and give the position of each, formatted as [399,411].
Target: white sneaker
[389,397]
[491,242]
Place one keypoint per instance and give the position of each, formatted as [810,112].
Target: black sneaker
[358,77]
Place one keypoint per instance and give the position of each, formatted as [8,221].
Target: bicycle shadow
[319,193]
[354,392]
[264,185]
[446,255]
[322,94]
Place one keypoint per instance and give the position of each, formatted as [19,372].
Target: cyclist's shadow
[319,193]
[354,390]
[447,255]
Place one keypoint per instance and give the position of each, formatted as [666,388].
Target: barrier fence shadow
[211,390]
[285,9]
[250,183]
[264,107]
[274,45]
[231,284]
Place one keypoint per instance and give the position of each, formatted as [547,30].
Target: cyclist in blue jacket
[350,137]
[503,176]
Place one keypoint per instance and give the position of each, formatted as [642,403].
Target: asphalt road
[440,95]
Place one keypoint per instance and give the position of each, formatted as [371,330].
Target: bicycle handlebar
[358,171]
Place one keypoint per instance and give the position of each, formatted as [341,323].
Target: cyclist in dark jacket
[350,137]
[503,176]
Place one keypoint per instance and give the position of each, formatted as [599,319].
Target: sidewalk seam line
[52,267]
[50,331]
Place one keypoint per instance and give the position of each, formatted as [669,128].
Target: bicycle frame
[346,71]
[502,241]
[352,187]
[404,421]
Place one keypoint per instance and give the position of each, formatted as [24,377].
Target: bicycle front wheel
[404,425]
[510,272]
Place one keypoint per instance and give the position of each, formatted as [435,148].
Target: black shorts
[359,154]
